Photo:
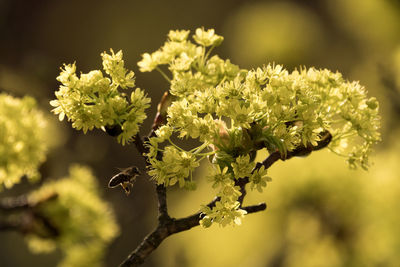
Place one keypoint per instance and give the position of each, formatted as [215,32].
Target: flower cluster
[227,209]
[176,165]
[235,112]
[189,62]
[22,139]
[231,112]
[93,100]
[84,222]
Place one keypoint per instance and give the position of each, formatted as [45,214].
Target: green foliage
[22,139]
[93,100]
[232,112]
[85,223]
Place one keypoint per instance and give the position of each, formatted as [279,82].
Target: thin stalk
[163,74]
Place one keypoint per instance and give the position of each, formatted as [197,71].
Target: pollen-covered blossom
[93,100]
[259,179]
[207,38]
[176,166]
[243,167]
[178,36]
[223,214]
[220,176]
[113,65]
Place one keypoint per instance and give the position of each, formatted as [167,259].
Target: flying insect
[125,178]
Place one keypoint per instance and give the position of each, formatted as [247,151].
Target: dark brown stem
[50,229]
[172,226]
[168,226]
[14,203]
[326,138]
[242,193]
[150,243]
[161,116]
[255,208]
[8,225]
[139,144]
[159,120]
[162,204]
[23,216]
[271,159]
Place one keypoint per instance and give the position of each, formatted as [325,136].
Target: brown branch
[23,216]
[172,226]
[9,225]
[159,120]
[164,229]
[162,204]
[150,243]
[30,221]
[140,145]
[326,138]
[255,208]
[50,230]
[11,204]
[161,116]
[168,226]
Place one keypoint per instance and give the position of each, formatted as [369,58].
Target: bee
[125,178]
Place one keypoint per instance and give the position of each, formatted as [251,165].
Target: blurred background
[319,213]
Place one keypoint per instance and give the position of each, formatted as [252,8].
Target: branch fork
[167,225]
